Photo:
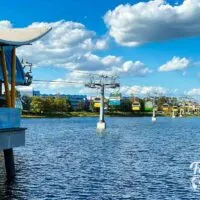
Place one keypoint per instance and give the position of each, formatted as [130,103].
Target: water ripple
[133,159]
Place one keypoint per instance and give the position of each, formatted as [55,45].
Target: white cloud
[59,85]
[135,90]
[63,45]
[91,62]
[113,65]
[156,20]
[91,91]
[102,43]
[193,92]
[176,63]
[91,66]
[78,76]
[143,90]
[25,90]
[5,24]
[70,46]
[134,68]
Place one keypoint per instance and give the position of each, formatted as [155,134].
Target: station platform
[11,138]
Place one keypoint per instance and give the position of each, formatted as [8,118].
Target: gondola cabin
[136,106]
[97,102]
[148,106]
[175,108]
[188,106]
[114,101]
[165,107]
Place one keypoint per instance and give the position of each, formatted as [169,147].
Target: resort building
[76,99]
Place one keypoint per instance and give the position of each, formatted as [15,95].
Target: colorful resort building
[76,99]
[12,74]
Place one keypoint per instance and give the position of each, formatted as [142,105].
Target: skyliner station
[12,74]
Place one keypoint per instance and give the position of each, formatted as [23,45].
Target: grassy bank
[90,114]
[61,115]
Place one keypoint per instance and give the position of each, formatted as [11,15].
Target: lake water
[133,159]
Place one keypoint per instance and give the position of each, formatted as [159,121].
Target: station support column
[10,100]
[0,88]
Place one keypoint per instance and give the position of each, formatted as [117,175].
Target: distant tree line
[47,105]
[60,105]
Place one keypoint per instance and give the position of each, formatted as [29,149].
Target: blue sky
[152,51]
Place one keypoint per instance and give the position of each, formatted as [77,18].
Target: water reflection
[5,186]
[11,189]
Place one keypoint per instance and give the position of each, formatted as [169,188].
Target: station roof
[21,36]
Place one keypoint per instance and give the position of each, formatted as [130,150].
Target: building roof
[22,36]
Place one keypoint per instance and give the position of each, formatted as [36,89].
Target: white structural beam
[22,36]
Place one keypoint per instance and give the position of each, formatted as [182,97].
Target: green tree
[125,105]
[37,105]
[80,106]
[141,105]
[61,105]
[49,105]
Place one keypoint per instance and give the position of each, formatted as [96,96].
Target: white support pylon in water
[101,125]
[101,82]
[180,115]
[154,115]
[173,115]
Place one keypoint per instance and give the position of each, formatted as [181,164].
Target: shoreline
[91,114]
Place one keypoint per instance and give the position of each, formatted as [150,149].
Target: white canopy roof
[22,36]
